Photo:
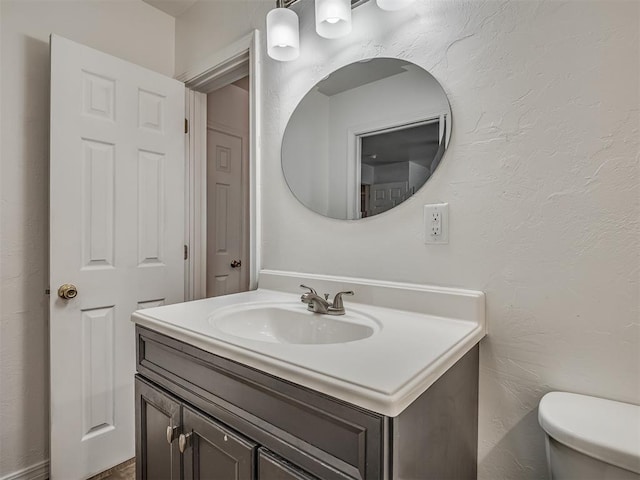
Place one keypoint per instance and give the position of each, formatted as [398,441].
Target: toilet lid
[603,429]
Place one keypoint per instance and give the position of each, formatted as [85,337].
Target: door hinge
[186,125]
[186,252]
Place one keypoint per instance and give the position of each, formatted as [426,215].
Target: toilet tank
[590,438]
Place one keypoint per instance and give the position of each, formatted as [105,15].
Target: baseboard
[38,471]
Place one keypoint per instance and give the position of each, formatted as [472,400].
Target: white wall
[541,176]
[229,106]
[211,24]
[128,29]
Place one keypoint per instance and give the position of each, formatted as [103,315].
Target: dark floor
[124,471]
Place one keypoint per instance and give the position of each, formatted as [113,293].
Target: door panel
[224,213]
[215,453]
[97,328]
[385,196]
[116,233]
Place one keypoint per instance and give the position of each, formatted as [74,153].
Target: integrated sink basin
[394,341]
[288,323]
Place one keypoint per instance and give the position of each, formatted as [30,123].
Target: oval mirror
[366,138]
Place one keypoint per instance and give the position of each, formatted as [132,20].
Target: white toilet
[590,438]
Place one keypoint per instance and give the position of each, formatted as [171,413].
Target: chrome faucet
[317,304]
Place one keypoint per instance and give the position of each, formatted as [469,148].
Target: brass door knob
[236,264]
[67,291]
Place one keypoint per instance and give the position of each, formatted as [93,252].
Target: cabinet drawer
[327,437]
[270,467]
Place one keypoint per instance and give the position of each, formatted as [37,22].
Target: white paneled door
[225,270]
[116,235]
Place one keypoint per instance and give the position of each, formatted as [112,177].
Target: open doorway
[394,162]
[222,214]
[227,189]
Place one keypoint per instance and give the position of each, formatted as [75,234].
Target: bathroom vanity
[215,403]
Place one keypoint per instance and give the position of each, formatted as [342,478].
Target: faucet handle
[306,297]
[337,300]
[311,290]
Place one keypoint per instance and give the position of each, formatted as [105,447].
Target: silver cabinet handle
[184,441]
[172,433]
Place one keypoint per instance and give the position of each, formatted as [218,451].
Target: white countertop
[384,373]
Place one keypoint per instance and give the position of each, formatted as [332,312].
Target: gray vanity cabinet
[325,437]
[211,451]
[236,422]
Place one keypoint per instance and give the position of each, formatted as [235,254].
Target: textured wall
[541,177]
[128,29]
[542,182]
[212,24]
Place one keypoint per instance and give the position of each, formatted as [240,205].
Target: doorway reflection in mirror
[366,138]
[396,162]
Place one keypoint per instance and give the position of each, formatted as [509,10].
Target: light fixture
[333,18]
[283,34]
[391,5]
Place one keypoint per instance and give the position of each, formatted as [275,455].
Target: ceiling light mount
[289,3]
[333,20]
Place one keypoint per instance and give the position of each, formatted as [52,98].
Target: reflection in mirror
[366,138]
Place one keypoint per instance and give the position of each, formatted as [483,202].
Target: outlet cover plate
[436,217]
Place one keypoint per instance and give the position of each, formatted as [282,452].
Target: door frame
[217,70]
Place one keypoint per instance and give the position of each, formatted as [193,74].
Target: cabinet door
[212,452]
[157,458]
[272,467]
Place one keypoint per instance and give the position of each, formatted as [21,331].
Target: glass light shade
[333,18]
[283,34]
[391,5]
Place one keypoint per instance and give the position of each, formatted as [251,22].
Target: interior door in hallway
[116,234]
[224,214]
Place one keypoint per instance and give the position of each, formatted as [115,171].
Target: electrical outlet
[436,223]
